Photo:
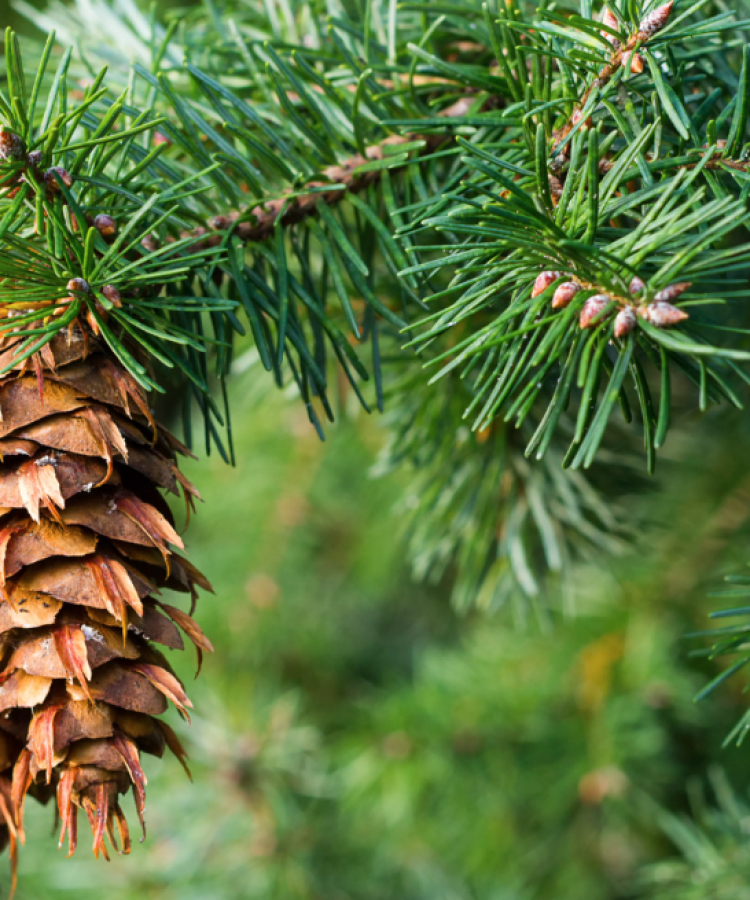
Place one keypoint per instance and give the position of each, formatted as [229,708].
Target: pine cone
[85,542]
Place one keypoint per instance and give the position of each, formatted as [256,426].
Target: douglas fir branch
[534,216]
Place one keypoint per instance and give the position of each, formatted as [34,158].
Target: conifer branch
[293,118]
[622,55]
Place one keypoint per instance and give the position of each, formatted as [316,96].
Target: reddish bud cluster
[660,312]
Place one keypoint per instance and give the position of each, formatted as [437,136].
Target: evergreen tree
[497,223]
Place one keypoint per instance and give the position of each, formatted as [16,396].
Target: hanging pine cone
[86,542]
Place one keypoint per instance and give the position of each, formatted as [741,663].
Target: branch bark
[259,224]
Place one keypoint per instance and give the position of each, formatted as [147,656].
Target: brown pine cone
[86,541]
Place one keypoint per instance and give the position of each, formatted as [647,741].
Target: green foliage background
[355,738]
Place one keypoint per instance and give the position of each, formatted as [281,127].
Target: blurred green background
[356,739]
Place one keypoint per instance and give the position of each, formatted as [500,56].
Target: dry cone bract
[86,543]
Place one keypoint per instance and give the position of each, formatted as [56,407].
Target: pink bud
[112,294]
[655,21]
[78,286]
[564,294]
[105,225]
[625,321]
[592,308]
[672,292]
[610,20]
[663,314]
[577,116]
[12,148]
[636,285]
[52,183]
[636,63]
[543,281]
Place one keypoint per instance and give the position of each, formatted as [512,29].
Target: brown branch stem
[259,223]
[622,54]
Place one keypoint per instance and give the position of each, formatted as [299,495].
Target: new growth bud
[564,294]
[53,186]
[592,309]
[78,286]
[105,225]
[625,322]
[113,295]
[672,292]
[610,20]
[654,21]
[662,314]
[543,281]
[12,147]
[578,115]
[635,60]
[636,286]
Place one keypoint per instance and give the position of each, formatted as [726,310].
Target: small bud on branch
[637,285]
[543,281]
[12,147]
[78,286]
[564,294]
[113,295]
[654,21]
[53,185]
[668,294]
[662,314]
[592,309]
[105,225]
[610,20]
[625,322]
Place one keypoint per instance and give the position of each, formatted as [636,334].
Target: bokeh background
[355,738]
